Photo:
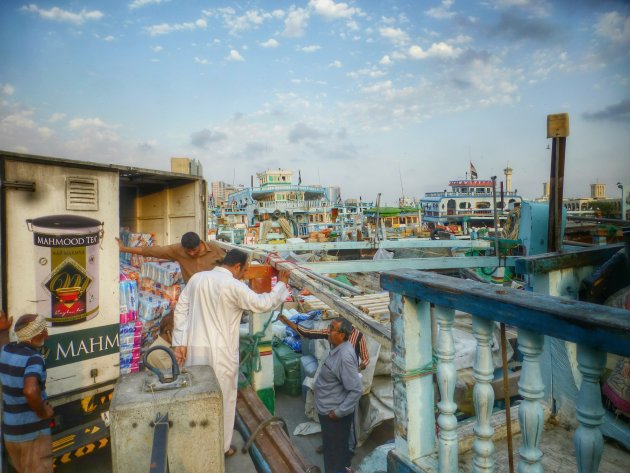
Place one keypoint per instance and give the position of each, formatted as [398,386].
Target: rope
[510,230]
[400,374]
[251,357]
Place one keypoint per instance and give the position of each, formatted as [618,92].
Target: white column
[413,395]
[530,413]
[588,438]
[483,396]
[446,378]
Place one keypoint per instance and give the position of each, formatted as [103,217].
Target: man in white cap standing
[26,412]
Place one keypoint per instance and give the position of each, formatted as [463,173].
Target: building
[221,190]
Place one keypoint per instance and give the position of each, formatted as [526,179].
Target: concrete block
[195,438]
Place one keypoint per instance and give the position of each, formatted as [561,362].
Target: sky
[396,97]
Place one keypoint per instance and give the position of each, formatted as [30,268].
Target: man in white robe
[207,321]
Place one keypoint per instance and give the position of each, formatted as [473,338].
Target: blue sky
[361,94]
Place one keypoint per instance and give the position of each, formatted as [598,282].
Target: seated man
[159,358]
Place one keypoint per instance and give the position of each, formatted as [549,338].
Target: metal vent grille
[81,193]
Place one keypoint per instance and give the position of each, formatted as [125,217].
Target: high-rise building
[221,190]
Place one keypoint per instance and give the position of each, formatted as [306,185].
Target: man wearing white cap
[25,409]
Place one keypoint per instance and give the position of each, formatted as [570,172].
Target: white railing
[596,330]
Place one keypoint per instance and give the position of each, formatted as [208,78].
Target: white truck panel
[49,198]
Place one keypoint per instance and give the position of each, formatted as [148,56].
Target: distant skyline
[387,96]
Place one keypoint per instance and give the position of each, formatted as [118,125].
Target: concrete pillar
[195,414]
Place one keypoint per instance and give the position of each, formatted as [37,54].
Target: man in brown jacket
[192,254]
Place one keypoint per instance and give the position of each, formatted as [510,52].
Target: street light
[622,202]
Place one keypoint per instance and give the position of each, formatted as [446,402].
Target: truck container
[59,258]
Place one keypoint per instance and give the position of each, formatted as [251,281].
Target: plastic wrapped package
[166,273]
[128,271]
[129,338]
[128,295]
[133,240]
[152,306]
[170,293]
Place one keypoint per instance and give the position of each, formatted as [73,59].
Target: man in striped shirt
[356,339]
[26,412]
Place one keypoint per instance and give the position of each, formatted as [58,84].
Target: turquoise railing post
[532,390]
[413,390]
[483,396]
[446,379]
[588,439]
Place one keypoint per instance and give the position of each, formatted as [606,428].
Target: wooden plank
[601,327]
[363,245]
[548,262]
[446,262]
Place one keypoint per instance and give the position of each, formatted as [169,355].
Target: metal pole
[556,181]
[506,397]
[496,217]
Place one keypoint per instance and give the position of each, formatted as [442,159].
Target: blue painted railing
[596,329]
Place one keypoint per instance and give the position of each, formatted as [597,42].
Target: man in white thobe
[207,320]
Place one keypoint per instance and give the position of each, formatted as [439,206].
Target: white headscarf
[31,330]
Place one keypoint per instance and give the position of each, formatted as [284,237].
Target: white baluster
[483,396]
[588,439]
[446,378]
[530,412]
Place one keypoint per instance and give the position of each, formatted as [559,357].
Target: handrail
[600,327]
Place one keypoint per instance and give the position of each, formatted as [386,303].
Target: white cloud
[296,22]
[166,28]
[141,3]
[45,132]
[82,123]
[441,50]
[331,10]
[378,87]
[460,39]
[442,12]
[614,26]
[372,72]
[395,35]
[235,56]
[352,25]
[397,56]
[270,43]
[199,60]
[251,19]
[21,119]
[157,49]
[385,60]
[310,49]
[7,89]
[335,64]
[57,14]
[109,38]
[56,117]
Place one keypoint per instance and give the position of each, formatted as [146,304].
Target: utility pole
[558,130]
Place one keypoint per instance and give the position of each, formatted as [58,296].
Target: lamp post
[624,203]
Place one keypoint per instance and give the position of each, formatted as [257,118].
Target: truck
[59,258]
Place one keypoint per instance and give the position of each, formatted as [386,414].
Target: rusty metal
[506,398]
[272,442]
[556,186]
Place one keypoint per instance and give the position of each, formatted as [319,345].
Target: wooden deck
[558,453]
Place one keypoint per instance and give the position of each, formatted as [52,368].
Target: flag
[473,171]
[299,177]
